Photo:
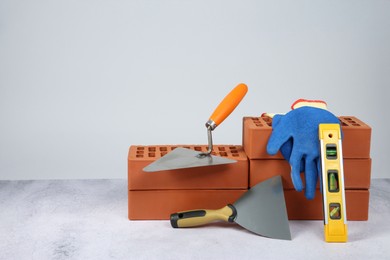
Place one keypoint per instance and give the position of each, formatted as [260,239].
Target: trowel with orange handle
[261,210]
[181,158]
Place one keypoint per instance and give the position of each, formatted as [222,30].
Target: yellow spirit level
[332,180]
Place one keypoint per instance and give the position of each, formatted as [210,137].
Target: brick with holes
[257,130]
[227,176]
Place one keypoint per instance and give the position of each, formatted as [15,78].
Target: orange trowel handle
[228,104]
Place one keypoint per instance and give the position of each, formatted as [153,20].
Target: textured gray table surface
[87,219]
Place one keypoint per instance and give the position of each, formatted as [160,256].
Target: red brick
[357,137]
[357,172]
[299,208]
[227,176]
[160,204]
[257,130]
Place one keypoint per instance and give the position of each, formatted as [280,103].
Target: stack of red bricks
[357,168]
[155,195]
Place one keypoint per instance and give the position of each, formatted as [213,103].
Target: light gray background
[81,81]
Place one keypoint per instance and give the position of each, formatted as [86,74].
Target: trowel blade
[262,210]
[181,158]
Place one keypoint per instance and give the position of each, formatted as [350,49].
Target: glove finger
[311,177]
[295,162]
[278,137]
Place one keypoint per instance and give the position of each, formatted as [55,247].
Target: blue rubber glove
[296,136]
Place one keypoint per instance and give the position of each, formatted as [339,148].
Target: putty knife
[181,158]
[261,210]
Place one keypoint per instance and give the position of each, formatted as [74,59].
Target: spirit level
[332,180]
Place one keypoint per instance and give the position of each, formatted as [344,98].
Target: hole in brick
[235,154]
[233,148]
[139,155]
[223,153]
[198,148]
[152,149]
[234,151]
[152,154]
[163,153]
[140,148]
[347,118]
[344,124]
[213,153]
[140,152]
[355,124]
[221,148]
[259,124]
[187,147]
[163,149]
[173,148]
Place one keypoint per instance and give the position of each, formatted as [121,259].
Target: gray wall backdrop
[81,81]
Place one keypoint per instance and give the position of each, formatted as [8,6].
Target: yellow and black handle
[193,218]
